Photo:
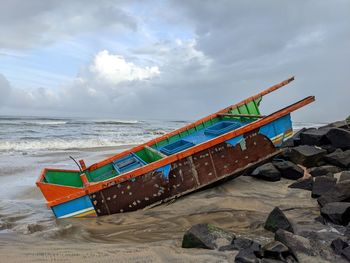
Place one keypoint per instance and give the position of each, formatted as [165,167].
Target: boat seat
[175,147]
[128,163]
[222,127]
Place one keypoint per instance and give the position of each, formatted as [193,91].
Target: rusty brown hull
[202,169]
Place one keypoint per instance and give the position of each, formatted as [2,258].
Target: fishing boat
[216,148]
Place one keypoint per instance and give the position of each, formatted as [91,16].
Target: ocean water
[27,226]
[32,134]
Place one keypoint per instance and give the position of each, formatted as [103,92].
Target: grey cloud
[240,48]
[26,24]
[254,44]
[5,90]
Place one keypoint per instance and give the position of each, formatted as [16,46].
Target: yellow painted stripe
[289,134]
[88,213]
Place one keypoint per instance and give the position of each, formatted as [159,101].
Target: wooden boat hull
[215,148]
[186,175]
[222,161]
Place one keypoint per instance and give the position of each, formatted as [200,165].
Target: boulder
[267,172]
[321,185]
[249,250]
[337,212]
[295,140]
[328,147]
[298,245]
[288,169]
[324,170]
[246,255]
[206,236]
[338,245]
[347,231]
[345,175]
[242,243]
[339,158]
[339,138]
[321,220]
[305,184]
[275,250]
[271,260]
[339,193]
[277,220]
[314,137]
[306,155]
[346,253]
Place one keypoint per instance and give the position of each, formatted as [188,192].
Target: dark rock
[346,253]
[339,193]
[339,158]
[321,220]
[324,170]
[246,255]
[267,172]
[347,231]
[305,184]
[288,169]
[277,220]
[314,137]
[240,243]
[321,185]
[319,233]
[337,212]
[288,143]
[339,138]
[271,260]
[328,147]
[295,140]
[249,250]
[306,155]
[345,175]
[298,245]
[206,236]
[275,250]
[338,245]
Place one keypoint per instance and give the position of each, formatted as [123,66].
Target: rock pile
[319,161]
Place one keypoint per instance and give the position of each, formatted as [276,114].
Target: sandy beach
[30,233]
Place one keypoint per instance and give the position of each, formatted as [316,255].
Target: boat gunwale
[191,125]
[139,147]
[96,186]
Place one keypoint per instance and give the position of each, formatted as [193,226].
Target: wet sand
[30,233]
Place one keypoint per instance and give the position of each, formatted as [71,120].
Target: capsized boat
[215,148]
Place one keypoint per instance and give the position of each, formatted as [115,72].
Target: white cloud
[114,69]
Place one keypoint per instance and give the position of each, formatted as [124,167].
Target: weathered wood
[188,174]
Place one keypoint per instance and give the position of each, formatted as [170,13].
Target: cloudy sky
[172,59]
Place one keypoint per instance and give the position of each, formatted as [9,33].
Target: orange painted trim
[189,126]
[94,187]
[53,192]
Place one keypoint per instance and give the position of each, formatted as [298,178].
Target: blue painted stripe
[72,206]
[233,141]
[276,128]
[165,170]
